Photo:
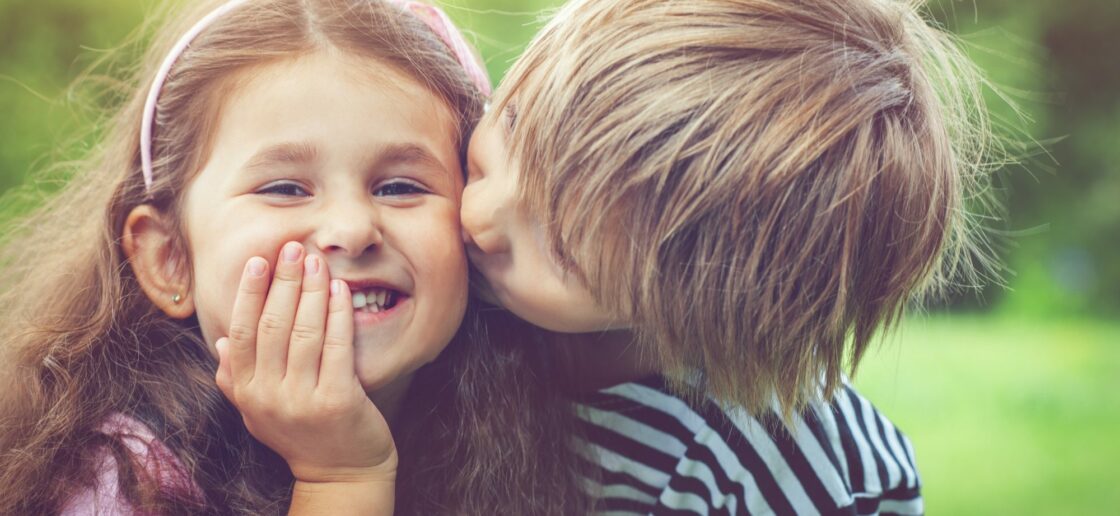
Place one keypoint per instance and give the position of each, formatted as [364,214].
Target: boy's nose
[481,227]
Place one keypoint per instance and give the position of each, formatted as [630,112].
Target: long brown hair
[491,423]
[761,185]
[82,341]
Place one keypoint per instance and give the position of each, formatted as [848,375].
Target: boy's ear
[147,241]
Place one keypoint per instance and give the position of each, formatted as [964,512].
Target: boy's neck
[600,360]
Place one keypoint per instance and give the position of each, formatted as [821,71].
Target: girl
[733,196]
[328,133]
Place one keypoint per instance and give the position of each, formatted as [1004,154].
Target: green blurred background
[1012,396]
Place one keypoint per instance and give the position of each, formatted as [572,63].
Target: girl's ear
[147,241]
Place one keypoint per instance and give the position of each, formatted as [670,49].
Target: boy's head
[747,184]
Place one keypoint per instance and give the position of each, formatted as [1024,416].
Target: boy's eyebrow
[282,153]
[509,118]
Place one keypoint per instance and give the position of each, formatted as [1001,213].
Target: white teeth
[372,300]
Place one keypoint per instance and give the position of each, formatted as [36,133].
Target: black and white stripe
[660,454]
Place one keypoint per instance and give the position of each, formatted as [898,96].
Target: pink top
[157,460]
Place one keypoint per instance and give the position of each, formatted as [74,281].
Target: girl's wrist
[371,496]
[343,486]
[384,472]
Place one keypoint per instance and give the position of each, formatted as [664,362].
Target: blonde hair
[761,185]
[83,341]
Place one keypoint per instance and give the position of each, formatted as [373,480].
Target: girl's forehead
[302,109]
[338,82]
[370,72]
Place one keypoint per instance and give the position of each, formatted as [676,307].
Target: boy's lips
[483,260]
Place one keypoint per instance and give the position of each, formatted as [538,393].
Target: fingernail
[311,265]
[257,265]
[290,253]
[336,287]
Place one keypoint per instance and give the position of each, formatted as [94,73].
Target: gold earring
[177,298]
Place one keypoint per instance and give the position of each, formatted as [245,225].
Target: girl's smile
[375,302]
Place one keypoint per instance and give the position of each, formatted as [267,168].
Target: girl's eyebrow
[417,157]
[282,153]
[407,153]
[299,153]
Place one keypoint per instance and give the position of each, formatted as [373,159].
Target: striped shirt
[657,453]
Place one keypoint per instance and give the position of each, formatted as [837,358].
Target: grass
[1007,415]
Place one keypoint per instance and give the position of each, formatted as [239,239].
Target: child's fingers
[243,322]
[337,370]
[310,324]
[275,328]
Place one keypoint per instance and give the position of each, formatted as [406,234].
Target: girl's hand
[288,366]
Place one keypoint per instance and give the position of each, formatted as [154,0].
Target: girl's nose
[350,229]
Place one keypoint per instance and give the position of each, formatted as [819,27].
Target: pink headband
[432,16]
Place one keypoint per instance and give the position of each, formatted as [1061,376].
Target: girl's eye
[397,189]
[285,189]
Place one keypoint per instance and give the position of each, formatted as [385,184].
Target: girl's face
[508,245]
[357,162]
